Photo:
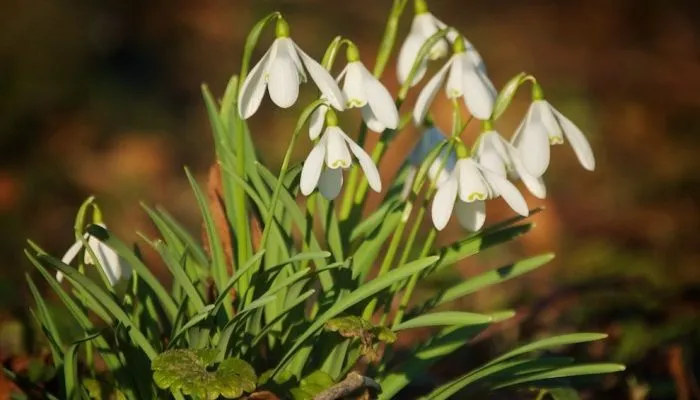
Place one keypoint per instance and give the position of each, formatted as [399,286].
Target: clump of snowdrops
[301,291]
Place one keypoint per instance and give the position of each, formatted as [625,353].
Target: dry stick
[351,383]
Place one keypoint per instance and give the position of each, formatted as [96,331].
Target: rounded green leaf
[193,373]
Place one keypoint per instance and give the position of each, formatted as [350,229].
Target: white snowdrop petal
[472,186]
[427,95]
[292,52]
[515,139]
[578,141]
[109,261]
[504,188]
[438,173]
[71,252]
[444,202]
[501,146]
[253,89]
[337,153]
[407,57]
[371,120]
[474,56]
[549,121]
[427,25]
[533,144]
[330,182]
[87,257]
[68,257]
[353,87]
[479,95]
[316,121]
[454,87]
[533,184]
[366,163]
[380,101]
[325,82]
[491,160]
[471,216]
[313,165]
[283,81]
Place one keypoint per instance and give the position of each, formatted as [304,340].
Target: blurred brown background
[102,97]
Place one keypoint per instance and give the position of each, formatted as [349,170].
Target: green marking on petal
[476,196]
[354,103]
[339,164]
[556,140]
[453,93]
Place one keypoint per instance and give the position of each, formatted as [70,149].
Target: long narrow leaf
[137,265]
[566,372]
[446,318]
[364,292]
[105,300]
[548,343]
[47,321]
[219,268]
[486,279]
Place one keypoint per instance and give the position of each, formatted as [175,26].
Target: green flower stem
[389,37]
[390,255]
[242,224]
[383,55]
[414,279]
[331,52]
[242,229]
[278,188]
[541,394]
[310,212]
[411,239]
[353,179]
[415,228]
[305,115]
[379,151]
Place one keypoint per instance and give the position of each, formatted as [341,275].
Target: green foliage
[190,372]
[292,301]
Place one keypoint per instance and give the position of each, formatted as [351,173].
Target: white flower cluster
[470,178]
[464,179]
[467,181]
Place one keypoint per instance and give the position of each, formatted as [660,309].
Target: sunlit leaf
[195,373]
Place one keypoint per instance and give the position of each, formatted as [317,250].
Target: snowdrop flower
[361,90]
[543,126]
[500,156]
[465,191]
[332,154]
[280,71]
[114,267]
[437,172]
[465,80]
[425,25]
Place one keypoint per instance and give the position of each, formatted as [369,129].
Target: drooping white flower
[437,172]
[361,90]
[423,26]
[464,79]
[498,155]
[280,71]
[332,154]
[543,126]
[465,191]
[114,267]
